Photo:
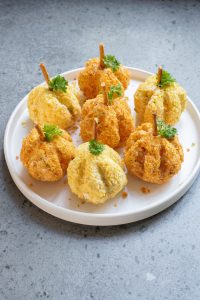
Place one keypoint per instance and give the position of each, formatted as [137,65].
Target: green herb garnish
[58,83]
[110,61]
[95,147]
[166,79]
[115,90]
[50,131]
[165,130]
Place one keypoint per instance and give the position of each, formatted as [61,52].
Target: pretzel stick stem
[45,73]
[159,74]
[95,132]
[40,132]
[101,55]
[105,95]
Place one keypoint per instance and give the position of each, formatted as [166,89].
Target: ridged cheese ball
[123,76]
[152,158]
[46,161]
[90,78]
[115,122]
[96,178]
[53,107]
[108,79]
[167,103]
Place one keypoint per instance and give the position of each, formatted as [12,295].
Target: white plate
[57,199]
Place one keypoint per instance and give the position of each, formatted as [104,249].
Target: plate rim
[88,218]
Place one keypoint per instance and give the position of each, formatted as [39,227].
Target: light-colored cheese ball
[91,78]
[152,158]
[53,107]
[46,161]
[167,103]
[115,122]
[96,178]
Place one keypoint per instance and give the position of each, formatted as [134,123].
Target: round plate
[57,199]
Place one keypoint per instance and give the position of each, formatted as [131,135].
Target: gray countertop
[42,257]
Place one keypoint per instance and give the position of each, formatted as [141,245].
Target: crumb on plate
[124,195]
[145,190]
[17,157]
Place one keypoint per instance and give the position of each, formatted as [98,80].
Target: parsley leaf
[58,83]
[50,131]
[115,90]
[110,61]
[166,79]
[95,147]
[165,130]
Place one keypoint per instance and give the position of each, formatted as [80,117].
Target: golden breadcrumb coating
[108,79]
[53,107]
[168,103]
[123,76]
[46,161]
[152,158]
[115,122]
[96,178]
[91,78]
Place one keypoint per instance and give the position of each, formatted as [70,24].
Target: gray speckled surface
[42,257]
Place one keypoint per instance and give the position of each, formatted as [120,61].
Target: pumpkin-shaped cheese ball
[46,152]
[160,95]
[96,174]
[153,157]
[114,119]
[92,77]
[54,103]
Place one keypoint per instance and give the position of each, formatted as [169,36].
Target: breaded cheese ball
[53,107]
[96,178]
[92,76]
[46,161]
[152,158]
[108,79]
[114,122]
[168,102]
